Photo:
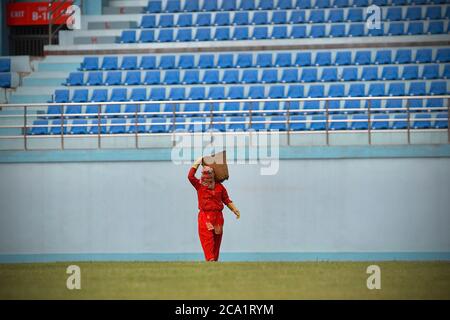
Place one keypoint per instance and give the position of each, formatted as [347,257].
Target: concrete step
[67,67]
[123,10]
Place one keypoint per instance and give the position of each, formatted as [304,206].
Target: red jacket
[209,200]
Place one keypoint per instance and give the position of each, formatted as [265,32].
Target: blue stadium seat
[363,57]
[197,93]
[158,94]
[356,90]
[338,122]
[394,14]
[113,78]
[283,60]
[129,63]
[377,32]
[422,121]
[264,60]
[279,17]
[284,4]
[336,90]
[236,92]
[350,74]
[318,122]
[210,5]
[128,36]
[289,76]
[298,32]
[5,64]
[303,59]
[99,95]
[341,3]
[396,89]
[376,89]
[132,108]
[237,124]
[279,32]
[266,5]
[75,79]
[133,78]
[109,63]
[322,4]
[152,77]
[278,123]
[73,110]
[172,77]
[240,18]
[250,76]
[165,35]
[154,7]
[430,71]
[203,34]
[303,4]
[260,18]
[317,16]
[177,94]
[336,16]
[173,6]
[229,107]
[79,95]
[94,78]
[147,36]
[359,122]
[151,110]
[206,61]
[222,34]
[295,91]
[442,122]
[191,6]
[316,91]
[270,107]
[257,123]
[390,73]
[203,19]
[434,103]
[117,126]
[148,62]
[148,21]
[216,93]
[184,35]
[410,73]
[417,89]
[413,13]
[247,5]
[167,62]
[53,111]
[88,64]
[186,62]
[61,96]
[383,57]
[276,92]
[323,58]
[138,126]
[244,60]
[225,60]
[317,31]
[260,33]
[96,125]
[256,92]
[79,126]
[297,17]
[229,5]
[217,125]
[403,56]
[297,123]
[185,20]
[433,13]
[355,15]
[337,30]
[222,18]
[443,55]
[329,74]
[118,94]
[396,29]
[446,74]
[415,28]
[356,30]
[56,127]
[240,33]
[361,3]
[435,27]
[380,122]
[309,75]
[211,77]
[230,76]
[192,108]
[438,88]
[424,56]
[343,58]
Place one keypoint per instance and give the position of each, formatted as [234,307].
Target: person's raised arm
[191,176]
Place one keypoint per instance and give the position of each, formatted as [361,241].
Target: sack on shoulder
[218,162]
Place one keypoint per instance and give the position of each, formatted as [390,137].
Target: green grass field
[246,280]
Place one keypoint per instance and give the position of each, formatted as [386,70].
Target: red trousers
[210,230]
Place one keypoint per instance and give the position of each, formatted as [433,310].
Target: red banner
[36,13]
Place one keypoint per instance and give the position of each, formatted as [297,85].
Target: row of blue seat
[5,64]
[233,5]
[396,88]
[245,76]
[222,124]
[5,80]
[237,108]
[280,59]
[282,32]
[289,17]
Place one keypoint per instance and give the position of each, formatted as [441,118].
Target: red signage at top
[36,13]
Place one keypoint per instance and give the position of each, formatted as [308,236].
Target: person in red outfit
[212,196]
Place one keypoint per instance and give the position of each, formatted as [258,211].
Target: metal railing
[210,114]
